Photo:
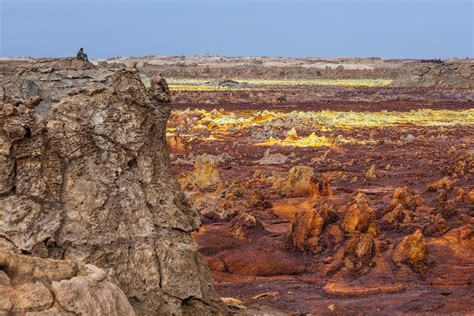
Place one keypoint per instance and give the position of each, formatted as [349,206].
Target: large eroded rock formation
[90,182]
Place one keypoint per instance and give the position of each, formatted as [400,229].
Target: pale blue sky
[106,28]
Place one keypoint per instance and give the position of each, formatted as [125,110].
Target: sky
[297,28]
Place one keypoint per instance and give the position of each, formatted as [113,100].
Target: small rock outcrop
[297,182]
[244,225]
[413,251]
[305,230]
[272,159]
[204,175]
[359,217]
[400,212]
[311,231]
[320,186]
[359,251]
[90,182]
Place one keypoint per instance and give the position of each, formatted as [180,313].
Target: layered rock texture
[86,177]
[38,286]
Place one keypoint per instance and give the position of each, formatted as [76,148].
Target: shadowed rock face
[90,182]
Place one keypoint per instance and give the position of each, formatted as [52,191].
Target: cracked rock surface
[88,180]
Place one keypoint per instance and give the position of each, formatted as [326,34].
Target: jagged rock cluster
[350,232]
[88,180]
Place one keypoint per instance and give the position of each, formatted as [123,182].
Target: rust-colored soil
[384,241]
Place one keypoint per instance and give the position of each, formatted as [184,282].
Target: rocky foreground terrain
[90,215]
[312,197]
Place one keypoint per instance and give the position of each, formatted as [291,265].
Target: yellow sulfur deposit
[330,119]
[221,123]
[309,141]
[188,84]
[292,139]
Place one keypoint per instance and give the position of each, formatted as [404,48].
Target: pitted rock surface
[91,182]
